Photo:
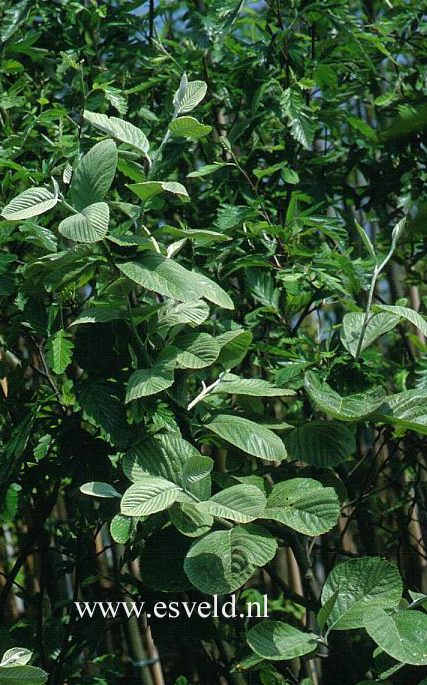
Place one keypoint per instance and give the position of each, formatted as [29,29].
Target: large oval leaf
[164,276]
[22,675]
[120,129]
[350,408]
[30,203]
[403,635]
[278,641]
[305,505]
[362,584]
[145,382]
[321,443]
[248,436]
[255,387]
[352,323]
[88,226]
[196,350]
[240,503]
[223,561]
[94,175]
[189,127]
[149,495]
[234,346]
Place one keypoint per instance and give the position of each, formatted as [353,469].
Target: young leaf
[120,129]
[255,387]
[397,231]
[59,351]
[148,496]
[189,127]
[304,505]
[352,323]
[248,436]
[94,174]
[325,610]
[149,189]
[362,584]
[30,203]
[122,528]
[278,641]
[17,656]
[366,240]
[98,489]
[88,226]
[189,94]
[302,126]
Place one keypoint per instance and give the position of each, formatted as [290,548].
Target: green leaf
[248,436]
[122,528]
[366,240]
[321,443]
[406,409]
[325,610]
[98,314]
[173,314]
[208,169]
[94,174]
[120,129]
[148,189]
[350,408]
[149,495]
[189,127]
[145,382]
[278,641]
[222,561]
[301,124]
[304,505]
[59,350]
[102,406]
[401,635]
[164,276]
[22,675]
[30,203]
[406,313]
[17,656]
[189,94]
[352,323]
[256,387]
[172,458]
[397,231]
[88,226]
[362,584]
[196,350]
[189,519]
[214,293]
[234,347]
[98,489]
[240,503]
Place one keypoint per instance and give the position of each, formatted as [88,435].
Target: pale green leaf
[94,174]
[120,129]
[214,293]
[173,314]
[222,561]
[30,203]
[196,468]
[98,314]
[148,496]
[256,387]
[208,169]
[365,239]
[189,127]
[239,503]
[99,489]
[401,635]
[59,350]
[248,436]
[362,584]
[350,408]
[406,409]
[302,125]
[188,96]
[88,226]
[321,443]
[352,323]
[164,276]
[305,505]
[17,656]
[279,641]
[409,314]
[148,189]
